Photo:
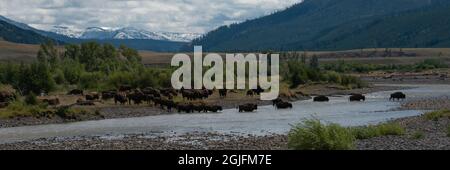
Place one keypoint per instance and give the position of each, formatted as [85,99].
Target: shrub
[418,135]
[436,115]
[372,131]
[31,99]
[313,135]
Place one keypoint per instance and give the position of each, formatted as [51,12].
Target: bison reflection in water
[398,96]
[357,97]
[321,99]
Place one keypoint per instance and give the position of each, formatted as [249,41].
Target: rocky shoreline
[433,136]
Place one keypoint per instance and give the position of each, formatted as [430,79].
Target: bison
[357,97]
[121,98]
[185,107]
[398,96]
[213,108]
[124,88]
[6,96]
[76,92]
[321,99]
[51,102]
[92,96]
[223,92]
[247,108]
[284,105]
[275,101]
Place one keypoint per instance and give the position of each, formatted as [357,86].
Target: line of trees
[86,66]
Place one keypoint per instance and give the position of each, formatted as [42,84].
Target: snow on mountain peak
[122,33]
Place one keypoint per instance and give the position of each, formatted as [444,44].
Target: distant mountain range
[338,25]
[123,33]
[135,38]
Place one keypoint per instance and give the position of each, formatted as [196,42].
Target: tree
[314,63]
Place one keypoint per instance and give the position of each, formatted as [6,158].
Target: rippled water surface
[266,120]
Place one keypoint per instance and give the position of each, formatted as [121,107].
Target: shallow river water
[267,120]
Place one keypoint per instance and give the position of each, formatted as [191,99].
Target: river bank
[107,109]
[433,136]
[229,130]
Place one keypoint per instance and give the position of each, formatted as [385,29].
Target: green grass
[313,135]
[418,135]
[19,108]
[436,115]
[448,131]
[372,131]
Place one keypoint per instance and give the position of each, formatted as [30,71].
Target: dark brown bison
[185,107]
[51,102]
[284,105]
[223,92]
[213,108]
[248,108]
[120,98]
[92,96]
[124,88]
[137,97]
[6,96]
[275,101]
[258,90]
[250,93]
[106,95]
[398,96]
[321,99]
[357,97]
[76,92]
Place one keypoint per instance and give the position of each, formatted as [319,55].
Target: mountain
[123,33]
[138,39]
[338,25]
[13,33]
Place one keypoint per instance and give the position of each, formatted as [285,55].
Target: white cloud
[157,15]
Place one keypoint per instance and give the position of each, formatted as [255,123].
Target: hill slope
[16,34]
[338,25]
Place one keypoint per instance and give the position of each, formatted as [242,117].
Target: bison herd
[164,98]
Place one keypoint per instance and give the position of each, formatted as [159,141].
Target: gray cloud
[157,15]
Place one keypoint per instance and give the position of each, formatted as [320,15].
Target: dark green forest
[338,25]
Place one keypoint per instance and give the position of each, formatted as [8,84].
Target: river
[267,120]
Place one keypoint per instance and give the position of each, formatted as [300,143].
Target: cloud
[156,15]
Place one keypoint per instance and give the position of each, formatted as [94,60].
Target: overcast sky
[197,16]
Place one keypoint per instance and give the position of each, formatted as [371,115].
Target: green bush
[418,135]
[448,131]
[313,135]
[436,115]
[372,131]
[31,99]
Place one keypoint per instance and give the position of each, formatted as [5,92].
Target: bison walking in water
[357,97]
[398,96]
[284,105]
[321,99]
[248,108]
